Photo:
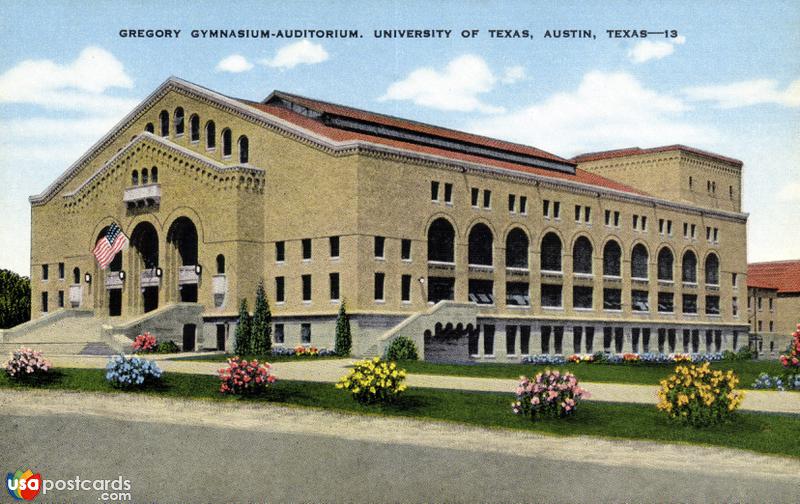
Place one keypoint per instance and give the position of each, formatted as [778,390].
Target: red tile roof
[634,151]
[340,135]
[784,276]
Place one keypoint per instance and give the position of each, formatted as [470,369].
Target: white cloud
[77,86]
[647,50]
[513,74]
[607,110]
[455,88]
[299,53]
[790,192]
[235,63]
[746,93]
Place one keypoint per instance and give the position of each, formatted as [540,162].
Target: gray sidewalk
[329,371]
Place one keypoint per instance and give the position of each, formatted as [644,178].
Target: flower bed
[27,365]
[699,396]
[777,382]
[243,377]
[145,343]
[302,351]
[550,393]
[623,358]
[791,359]
[132,372]
[374,381]
[544,359]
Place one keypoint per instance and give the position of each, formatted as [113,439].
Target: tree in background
[344,340]
[15,299]
[242,343]
[261,335]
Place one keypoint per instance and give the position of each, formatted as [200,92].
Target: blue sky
[729,83]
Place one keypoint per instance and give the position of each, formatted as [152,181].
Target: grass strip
[760,432]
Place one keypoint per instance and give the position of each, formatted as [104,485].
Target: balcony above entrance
[142,196]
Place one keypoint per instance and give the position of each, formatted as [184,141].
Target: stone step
[48,348]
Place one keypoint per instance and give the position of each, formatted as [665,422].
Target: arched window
[480,245]
[639,258]
[144,176]
[179,121]
[194,128]
[441,240]
[712,270]
[582,255]
[689,267]
[211,135]
[76,275]
[154,175]
[134,177]
[163,119]
[220,264]
[517,249]
[551,252]
[665,261]
[244,149]
[150,128]
[227,146]
[612,259]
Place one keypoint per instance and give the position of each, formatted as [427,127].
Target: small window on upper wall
[448,193]
[150,128]
[154,175]
[280,251]
[306,242]
[556,210]
[333,241]
[220,264]
[512,203]
[145,178]
[45,271]
[730,191]
[244,150]
[163,119]
[487,198]
[227,142]
[691,182]
[194,128]
[434,190]
[380,242]
[179,125]
[475,195]
[211,135]
[135,177]
[405,249]
[523,205]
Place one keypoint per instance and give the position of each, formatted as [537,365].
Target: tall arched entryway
[108,282]
[144,267]
[181,260]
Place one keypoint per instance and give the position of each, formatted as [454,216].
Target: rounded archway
[712,269]
[144,266]
[441,241]
[582,256]
[517,249]
[689,267]
[480,245]
[182,260]
[551,252]
[639,257]
[665,264]
[612,259]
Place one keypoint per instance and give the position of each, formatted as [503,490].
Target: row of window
[76,272]
[45,301]
[759,304]
[194,133]
[711,187]
[150,177]
[379,286]
[666,339]
[334,248]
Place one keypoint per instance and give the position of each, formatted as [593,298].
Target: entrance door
[115,302]
[150,298]
[188,293]
[220,337]
[188,337]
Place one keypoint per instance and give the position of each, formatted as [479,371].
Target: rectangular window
[608,217]
[481,291]
[523,205]
[771,326]
[511,339]
[280,294]
[556,210]
[558,336]
[434,190]
[334,286]
[517,294]
[685,230]
[645,340]
[44,302]
[551,296]
[280,251]
[612,299]
[278,335]
[334,244]
[589,339]
[760,325]
[380,241]
[694,230]
[307,248]
[305,333]
[635,222]
[488,339]
[734,280]
[662,338]
[735,306]
[582,297]
[712,305]
[716,235]
[546,208]
[759,303]
[448,193]
[61,271]
[669,227]
[475,194]
[690,303]
[770,304]
[608,336]
[441,288]
[577,213]
[577,335]
[472,341]
[546,331]
[661,226]
[306,288]
[644,223]
[45,271]
[635,332]
[587,214]
[525,340]
[487,198]
[405,288]
[379,280]
[405,249]
[512,203]
[708,233]
[666,302]
[640,300]
[61,299]
[616,218]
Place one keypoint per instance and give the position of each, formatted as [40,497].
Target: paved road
[195,451]
[329,370]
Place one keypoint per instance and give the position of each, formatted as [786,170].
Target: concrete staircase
[64,332]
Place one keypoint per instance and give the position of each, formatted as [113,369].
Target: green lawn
[272,358]
[643,374]
[759,432]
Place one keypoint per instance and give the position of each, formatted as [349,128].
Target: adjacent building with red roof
[773,302]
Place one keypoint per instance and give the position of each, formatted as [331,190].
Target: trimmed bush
[132,372]
[27,365]
[261,330]
[401,348]
[344,340]
[167,346]
[698,396]
[550,393]
[242,344]
[145,343]
[374,381]
[243,377]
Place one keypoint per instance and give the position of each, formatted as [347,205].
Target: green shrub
[374,381]
[344,340]
[15,299]
[699,396]
[402,348]
[261,329]
[242,344]
[167,346]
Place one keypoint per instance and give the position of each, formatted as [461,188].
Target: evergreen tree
[261,336]
[15,299]
[344,341]
[242,344]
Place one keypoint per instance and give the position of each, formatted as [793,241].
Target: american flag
[108,246]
